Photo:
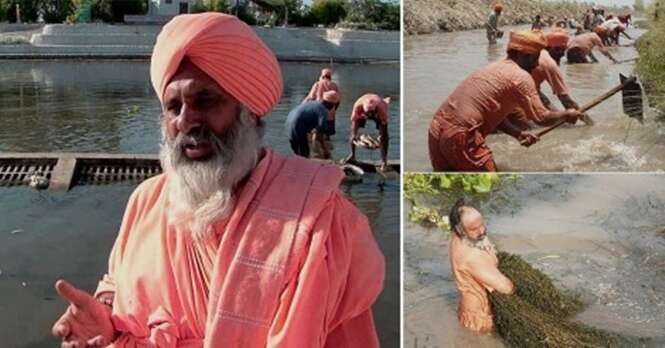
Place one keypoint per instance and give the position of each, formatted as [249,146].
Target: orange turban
[557,38]
[498,7]
[600,30]
[226,49]
[331,97]
[529,42]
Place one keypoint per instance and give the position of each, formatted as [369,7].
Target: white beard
[205,189]
[484,244]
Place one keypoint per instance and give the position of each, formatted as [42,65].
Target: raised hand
[86,323]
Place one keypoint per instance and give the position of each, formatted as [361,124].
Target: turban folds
[227,50]
[557,38]
[529,42]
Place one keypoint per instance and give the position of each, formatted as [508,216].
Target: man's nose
[188,119]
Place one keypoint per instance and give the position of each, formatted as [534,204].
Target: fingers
[61,327]
[73,344]
[75,296]
[97,342]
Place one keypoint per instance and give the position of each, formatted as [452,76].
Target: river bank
[429,16]
[104,41]
[651,66]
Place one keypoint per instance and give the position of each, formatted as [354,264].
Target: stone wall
[306,44]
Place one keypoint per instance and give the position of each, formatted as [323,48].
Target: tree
[120,8]
[29,9]
[328,12]
[56,11]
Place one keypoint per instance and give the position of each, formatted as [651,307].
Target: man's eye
[173,108]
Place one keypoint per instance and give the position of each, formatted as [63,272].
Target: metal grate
[16,172]
[96,172]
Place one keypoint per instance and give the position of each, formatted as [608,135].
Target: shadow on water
[435,64]
[110,107]
[598,235]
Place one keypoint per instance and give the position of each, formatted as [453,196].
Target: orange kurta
[476,108]
[474,310]
[548,70]
[313,288]
[585,43]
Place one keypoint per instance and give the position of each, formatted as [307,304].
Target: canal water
[435,64]
[601,236]
[87,106]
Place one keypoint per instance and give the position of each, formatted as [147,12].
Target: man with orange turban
[581,46]
[311,116]
[234,245]
[481,103]
[492,24]
[548,70]
[370,107]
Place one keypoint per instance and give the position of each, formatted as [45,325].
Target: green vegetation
[651,47]
[58,11]
[358,14]
[540,315]
[419,187]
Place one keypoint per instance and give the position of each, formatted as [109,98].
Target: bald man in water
[475,267]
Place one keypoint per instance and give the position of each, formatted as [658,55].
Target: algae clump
[539,315]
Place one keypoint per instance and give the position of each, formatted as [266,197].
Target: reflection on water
[599,235]
[435,64]
[110,107]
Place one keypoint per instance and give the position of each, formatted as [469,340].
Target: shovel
[631,101]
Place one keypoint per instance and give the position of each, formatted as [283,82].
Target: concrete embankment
[428,16]
[136,41]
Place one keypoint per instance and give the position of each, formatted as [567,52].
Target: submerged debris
[540,315]
[38,181]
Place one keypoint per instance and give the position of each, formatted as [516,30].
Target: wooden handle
[591,104]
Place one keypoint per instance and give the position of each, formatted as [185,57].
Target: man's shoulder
[325,173]
[149,189]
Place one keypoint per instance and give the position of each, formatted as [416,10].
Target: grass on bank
[651,48]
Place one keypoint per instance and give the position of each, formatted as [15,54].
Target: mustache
[195,137]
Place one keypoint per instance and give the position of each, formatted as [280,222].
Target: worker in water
[492,24]
[538,23]
[481,103]
[548,70]
[307,117]
[475,267]
[374,108]
[580,49]
[325,84]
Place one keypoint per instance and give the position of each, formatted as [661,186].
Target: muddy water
[598,235]
[435,64]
